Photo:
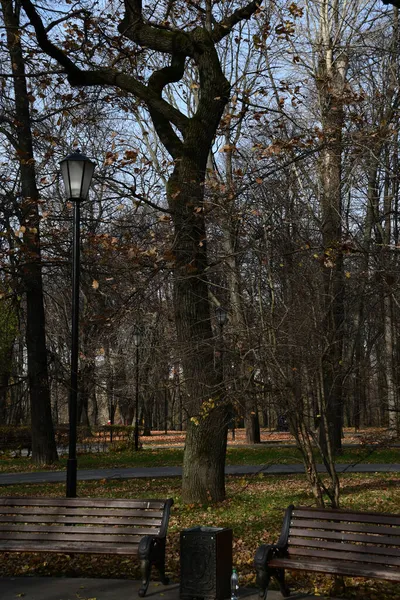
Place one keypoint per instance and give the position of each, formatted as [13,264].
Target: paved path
[155,472]
[60,588]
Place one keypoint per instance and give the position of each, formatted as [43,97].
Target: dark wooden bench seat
[136,528]
[337,542]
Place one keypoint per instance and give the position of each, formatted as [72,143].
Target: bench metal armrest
[266,553]
[151,548]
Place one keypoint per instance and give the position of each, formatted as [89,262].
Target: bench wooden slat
[74,533]
[84,536]
[82,502]
[78,520]
[348,569]
[67,548]
[383,550]
[89,531]
[338,515]
[77,511]
[342,537]
[340,555]
[338,526]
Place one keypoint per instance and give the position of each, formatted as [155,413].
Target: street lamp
[77,172]
[137,340]
[221,315]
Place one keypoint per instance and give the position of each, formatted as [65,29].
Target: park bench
[337,542]
[15,439]
[136,528]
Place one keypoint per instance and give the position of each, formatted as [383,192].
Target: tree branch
[222,29]
[134,28]
[157,82]
[5,119]
[9,136]
[111,77]
[75,13]
[44,42]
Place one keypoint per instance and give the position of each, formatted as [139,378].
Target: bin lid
[202,529]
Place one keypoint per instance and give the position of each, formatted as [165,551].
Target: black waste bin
[206,563]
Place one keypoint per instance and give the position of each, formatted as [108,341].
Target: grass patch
[170,457]
[253,509]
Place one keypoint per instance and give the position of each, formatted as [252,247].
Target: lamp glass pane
[76,171]
[65,176]
[221,315]
[137,338]
[87,178]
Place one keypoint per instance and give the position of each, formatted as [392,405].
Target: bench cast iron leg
[263,575]
[264,572]
[151,552]
[280,577]
[263,585]
[146,551]
[145,565]
[160,564]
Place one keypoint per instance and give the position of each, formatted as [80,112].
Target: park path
[67,588]
[159,472]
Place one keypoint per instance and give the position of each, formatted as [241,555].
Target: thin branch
[75,13]
[223,28]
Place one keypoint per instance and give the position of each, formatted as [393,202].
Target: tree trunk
[86,387]
[388,321]
[330,84]
[204,458]
[252,424]
[43,441]
[8,334]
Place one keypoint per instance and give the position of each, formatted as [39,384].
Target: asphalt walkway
[155,472]
[60,588]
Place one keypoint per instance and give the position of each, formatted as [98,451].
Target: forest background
[247,158]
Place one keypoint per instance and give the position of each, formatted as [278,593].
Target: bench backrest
[94,525]
[363,537]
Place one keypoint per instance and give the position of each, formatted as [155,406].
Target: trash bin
[206,563]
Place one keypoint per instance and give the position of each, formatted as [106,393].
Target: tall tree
[43,442]
[188,140]
[331,79]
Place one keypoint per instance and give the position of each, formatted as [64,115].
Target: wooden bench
[337,542]
[15,439]
[136,528]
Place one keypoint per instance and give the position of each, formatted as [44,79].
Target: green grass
[260,454]
[168,457]
[253,509]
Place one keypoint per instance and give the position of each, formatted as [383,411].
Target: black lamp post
[137,340]
[77,172]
